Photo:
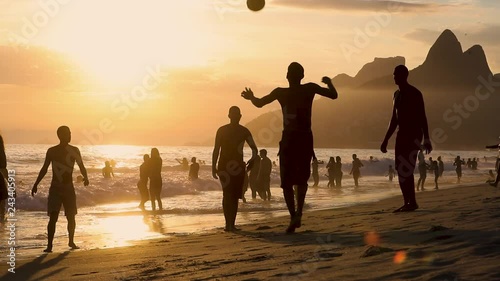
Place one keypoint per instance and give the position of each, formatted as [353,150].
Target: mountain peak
[445,50]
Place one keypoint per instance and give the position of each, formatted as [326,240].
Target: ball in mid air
[256,5]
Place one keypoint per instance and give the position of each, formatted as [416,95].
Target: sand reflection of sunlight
[122,230]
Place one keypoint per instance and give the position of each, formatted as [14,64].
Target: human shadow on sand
[43,262]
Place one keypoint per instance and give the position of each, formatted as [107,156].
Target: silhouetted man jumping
[296,146]
[408,113]
[62,192]
[229,142]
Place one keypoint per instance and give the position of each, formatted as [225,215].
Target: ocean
[108,213]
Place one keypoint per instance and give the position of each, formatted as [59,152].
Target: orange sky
[165,72]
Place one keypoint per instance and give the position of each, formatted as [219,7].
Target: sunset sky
[165,72]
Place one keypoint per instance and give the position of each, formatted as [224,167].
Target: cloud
[361,5]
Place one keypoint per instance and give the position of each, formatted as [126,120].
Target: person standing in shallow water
[155,181]
[497,165]
[440,166]
[338,171]
[228,165]
[315,172]
[142,185]
[296,145]
[194,169]
[408,113]
[458,164]
[61,192]
[355,170]
[331,172]
[264,178]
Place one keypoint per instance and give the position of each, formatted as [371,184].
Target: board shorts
[406,150]
[232,178]
[295,156]
[422,169]
[62,195]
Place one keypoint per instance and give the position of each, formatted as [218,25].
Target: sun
[117,41]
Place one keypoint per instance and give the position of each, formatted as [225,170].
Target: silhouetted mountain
[448,78]
[369,72]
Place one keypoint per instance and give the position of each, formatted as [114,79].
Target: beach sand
[455,235]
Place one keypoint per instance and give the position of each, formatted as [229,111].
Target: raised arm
[79,162]
[248,95]
[42,173]
[392,127]
[215,155]
[329,92]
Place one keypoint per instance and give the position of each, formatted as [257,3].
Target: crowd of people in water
[296,156]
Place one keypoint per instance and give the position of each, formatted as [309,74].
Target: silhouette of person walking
[155,181]
[440,166]
[458,163]
[355,170]
[315,172]
[408,114]
[61,192]
[338,171]
[264,178]
[230,168]
[194,169]
[391,173]
[422,169]
[296,145]
[331,172]
[142,185]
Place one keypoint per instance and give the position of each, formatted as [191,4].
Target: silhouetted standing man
[264,178]
[296,145]
[408,114]
[62,192]
[497,165]
[229,142]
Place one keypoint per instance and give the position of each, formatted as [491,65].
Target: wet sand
[455,235]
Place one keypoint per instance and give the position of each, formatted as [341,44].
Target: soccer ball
[256,5]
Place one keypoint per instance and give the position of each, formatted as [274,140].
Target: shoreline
[453,236]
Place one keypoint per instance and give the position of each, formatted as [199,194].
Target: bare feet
[48,250]
[73,246]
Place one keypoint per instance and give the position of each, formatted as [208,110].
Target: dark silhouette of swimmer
[315,172]
[155,181]
[264,178]
[142,185]
[422,169]
[61,192]
[458,163]
[194,169]
[440,166]
[296,146]
[228,164]
[330,167]
[497,165]
[338,171]
[107,171]
[355,170]
[408,114]
[184,163]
